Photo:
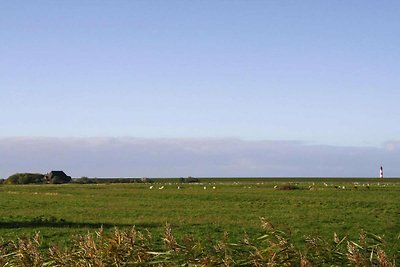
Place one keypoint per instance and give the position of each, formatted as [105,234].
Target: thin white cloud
[136,157]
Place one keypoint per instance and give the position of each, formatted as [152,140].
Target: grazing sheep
[151,187]
[162,187]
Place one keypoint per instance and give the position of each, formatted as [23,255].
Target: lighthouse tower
[381,172]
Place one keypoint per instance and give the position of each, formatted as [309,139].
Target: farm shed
[57,177]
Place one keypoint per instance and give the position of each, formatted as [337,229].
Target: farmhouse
[57,177]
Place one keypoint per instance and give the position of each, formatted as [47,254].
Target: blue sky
[314,73]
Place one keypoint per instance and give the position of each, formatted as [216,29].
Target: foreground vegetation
[307,212]
[134,248]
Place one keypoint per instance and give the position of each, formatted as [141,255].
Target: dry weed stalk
[28,252]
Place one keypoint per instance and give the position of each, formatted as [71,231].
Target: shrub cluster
[134,248]
[86,180]
[26,178]
[287,186]
[36,178]
[190,179]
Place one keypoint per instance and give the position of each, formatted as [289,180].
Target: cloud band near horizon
[225,157]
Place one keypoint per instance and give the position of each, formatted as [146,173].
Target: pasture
[318,208]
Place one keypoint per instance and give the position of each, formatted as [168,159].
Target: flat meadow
[309,207]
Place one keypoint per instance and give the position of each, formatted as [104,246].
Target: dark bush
[288,186]
[189,179]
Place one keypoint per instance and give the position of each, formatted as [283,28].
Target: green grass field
[319,207]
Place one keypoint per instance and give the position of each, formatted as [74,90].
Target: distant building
[57,177]
[381,172]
